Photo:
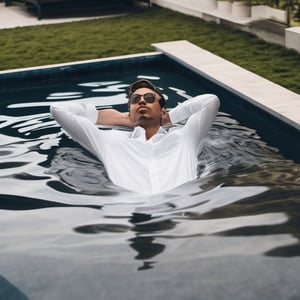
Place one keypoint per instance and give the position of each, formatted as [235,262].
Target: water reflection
[156,226]
[79,172]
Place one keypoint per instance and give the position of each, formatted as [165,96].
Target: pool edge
[78,63]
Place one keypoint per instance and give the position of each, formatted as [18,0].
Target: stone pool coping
[275,99]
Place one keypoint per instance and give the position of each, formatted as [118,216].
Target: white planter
[225,7]
[292,38]
[241,10]
[209,4]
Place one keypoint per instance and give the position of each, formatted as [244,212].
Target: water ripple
[56,199]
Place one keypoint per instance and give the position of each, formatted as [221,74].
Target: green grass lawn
[134,33]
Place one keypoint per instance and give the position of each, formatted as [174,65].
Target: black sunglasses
[148,97]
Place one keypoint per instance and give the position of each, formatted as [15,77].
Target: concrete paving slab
[16,15]
[198,8]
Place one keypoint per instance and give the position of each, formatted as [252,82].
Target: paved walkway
[202,9]
[17,15]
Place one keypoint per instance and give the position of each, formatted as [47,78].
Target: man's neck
[151,126]
[151,131]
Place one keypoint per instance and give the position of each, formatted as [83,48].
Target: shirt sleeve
[78,120]
[187,108]
[200,113]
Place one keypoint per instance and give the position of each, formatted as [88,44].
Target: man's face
[143,113]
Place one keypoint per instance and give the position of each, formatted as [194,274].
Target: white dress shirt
[165,161]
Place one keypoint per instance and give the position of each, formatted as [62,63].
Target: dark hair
[144,83]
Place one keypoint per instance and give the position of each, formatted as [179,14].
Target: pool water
[67,232]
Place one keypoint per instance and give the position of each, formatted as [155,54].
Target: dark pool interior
[68,233]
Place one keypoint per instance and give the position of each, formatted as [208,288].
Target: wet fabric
[165,161]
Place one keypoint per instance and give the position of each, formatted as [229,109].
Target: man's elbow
[216,101]
[52,110]
[56,111]
[213,101]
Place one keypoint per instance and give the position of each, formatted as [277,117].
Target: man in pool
[150,159]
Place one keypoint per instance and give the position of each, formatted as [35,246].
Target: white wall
[266,12]
[292,38]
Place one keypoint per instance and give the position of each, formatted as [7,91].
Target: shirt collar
[140,134]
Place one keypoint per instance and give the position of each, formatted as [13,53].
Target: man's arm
[113,117]
[191,106]
[78,120]
[200,113]
[180,113]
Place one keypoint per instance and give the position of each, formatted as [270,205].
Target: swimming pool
[68,233]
